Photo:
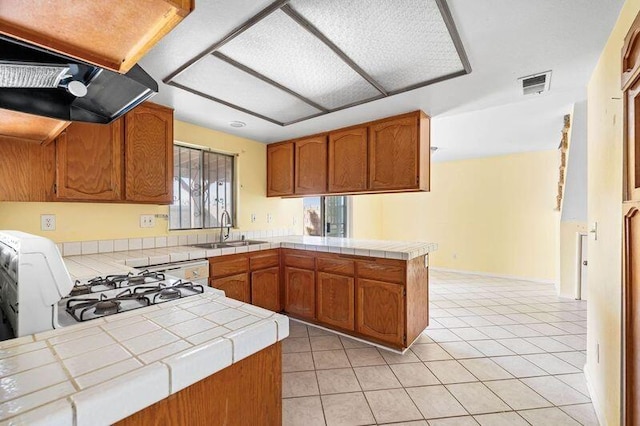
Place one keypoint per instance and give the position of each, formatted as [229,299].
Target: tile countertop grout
[89,265]
[62,376]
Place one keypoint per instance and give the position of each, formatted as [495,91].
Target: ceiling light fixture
[237,124]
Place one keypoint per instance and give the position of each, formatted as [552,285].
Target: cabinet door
[380,310]
[311,165]
[89,162]
[280,169]
[149,154]
[393,154]
[265,289]
[348,160]
[236,286]
[28,169]
[300,292]
[336,300]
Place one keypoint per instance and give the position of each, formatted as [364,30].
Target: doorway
[326,216]
[581,267]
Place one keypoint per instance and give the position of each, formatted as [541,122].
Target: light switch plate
[48,222]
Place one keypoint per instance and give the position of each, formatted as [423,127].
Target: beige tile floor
[496,352]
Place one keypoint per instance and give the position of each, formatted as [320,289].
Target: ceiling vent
[535,84]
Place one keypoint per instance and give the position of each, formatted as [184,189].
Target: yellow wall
[605,132]
[88,221]
[568,256]
[366,217]
[492,215]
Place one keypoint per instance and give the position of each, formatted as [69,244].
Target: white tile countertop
[91,261]
[104,370]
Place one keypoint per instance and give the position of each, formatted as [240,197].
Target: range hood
[37,81]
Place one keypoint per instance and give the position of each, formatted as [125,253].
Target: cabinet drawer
[264,260]
[382,271]
[220,267]
[304,262]
[338,266]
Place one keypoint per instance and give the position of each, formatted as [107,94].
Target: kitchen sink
[226,244]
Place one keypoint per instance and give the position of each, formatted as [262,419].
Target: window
[203,188]
[326,216]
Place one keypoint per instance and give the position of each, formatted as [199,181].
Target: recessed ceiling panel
[279,48]
[400,43]
[216,78]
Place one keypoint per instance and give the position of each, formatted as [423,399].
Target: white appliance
[33,279]
[196,271]
[38,294]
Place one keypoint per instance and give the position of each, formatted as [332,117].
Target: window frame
[234,185]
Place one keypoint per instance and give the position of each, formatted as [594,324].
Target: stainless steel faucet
[224,214]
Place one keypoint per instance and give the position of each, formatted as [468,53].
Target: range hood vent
[535,84]
[39,82]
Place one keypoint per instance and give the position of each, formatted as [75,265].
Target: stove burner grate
[80,308]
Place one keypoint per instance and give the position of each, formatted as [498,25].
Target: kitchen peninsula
[158,361]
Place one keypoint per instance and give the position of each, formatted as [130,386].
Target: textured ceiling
[480,114]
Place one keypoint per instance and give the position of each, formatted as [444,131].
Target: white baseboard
[594,398]
[487,274]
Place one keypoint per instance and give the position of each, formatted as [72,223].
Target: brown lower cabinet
[336,300]
[381,310]
[249,277]
[234,286]
[247,393]
[382,300]
[300,292]
[265,288]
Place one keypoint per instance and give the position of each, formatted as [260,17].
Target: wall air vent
[535,84]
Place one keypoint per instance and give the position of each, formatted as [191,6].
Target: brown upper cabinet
[89,162]
[280,169]
[631,88]
[387,155]
[149,154]
[129,160]
[90,31]
[394,154]
[311,165]
[28,170]
[348,160]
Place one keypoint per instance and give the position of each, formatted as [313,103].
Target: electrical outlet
[48,222]
[269,218]
[455,256]
[253,218]
[597,353]
[147,221]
